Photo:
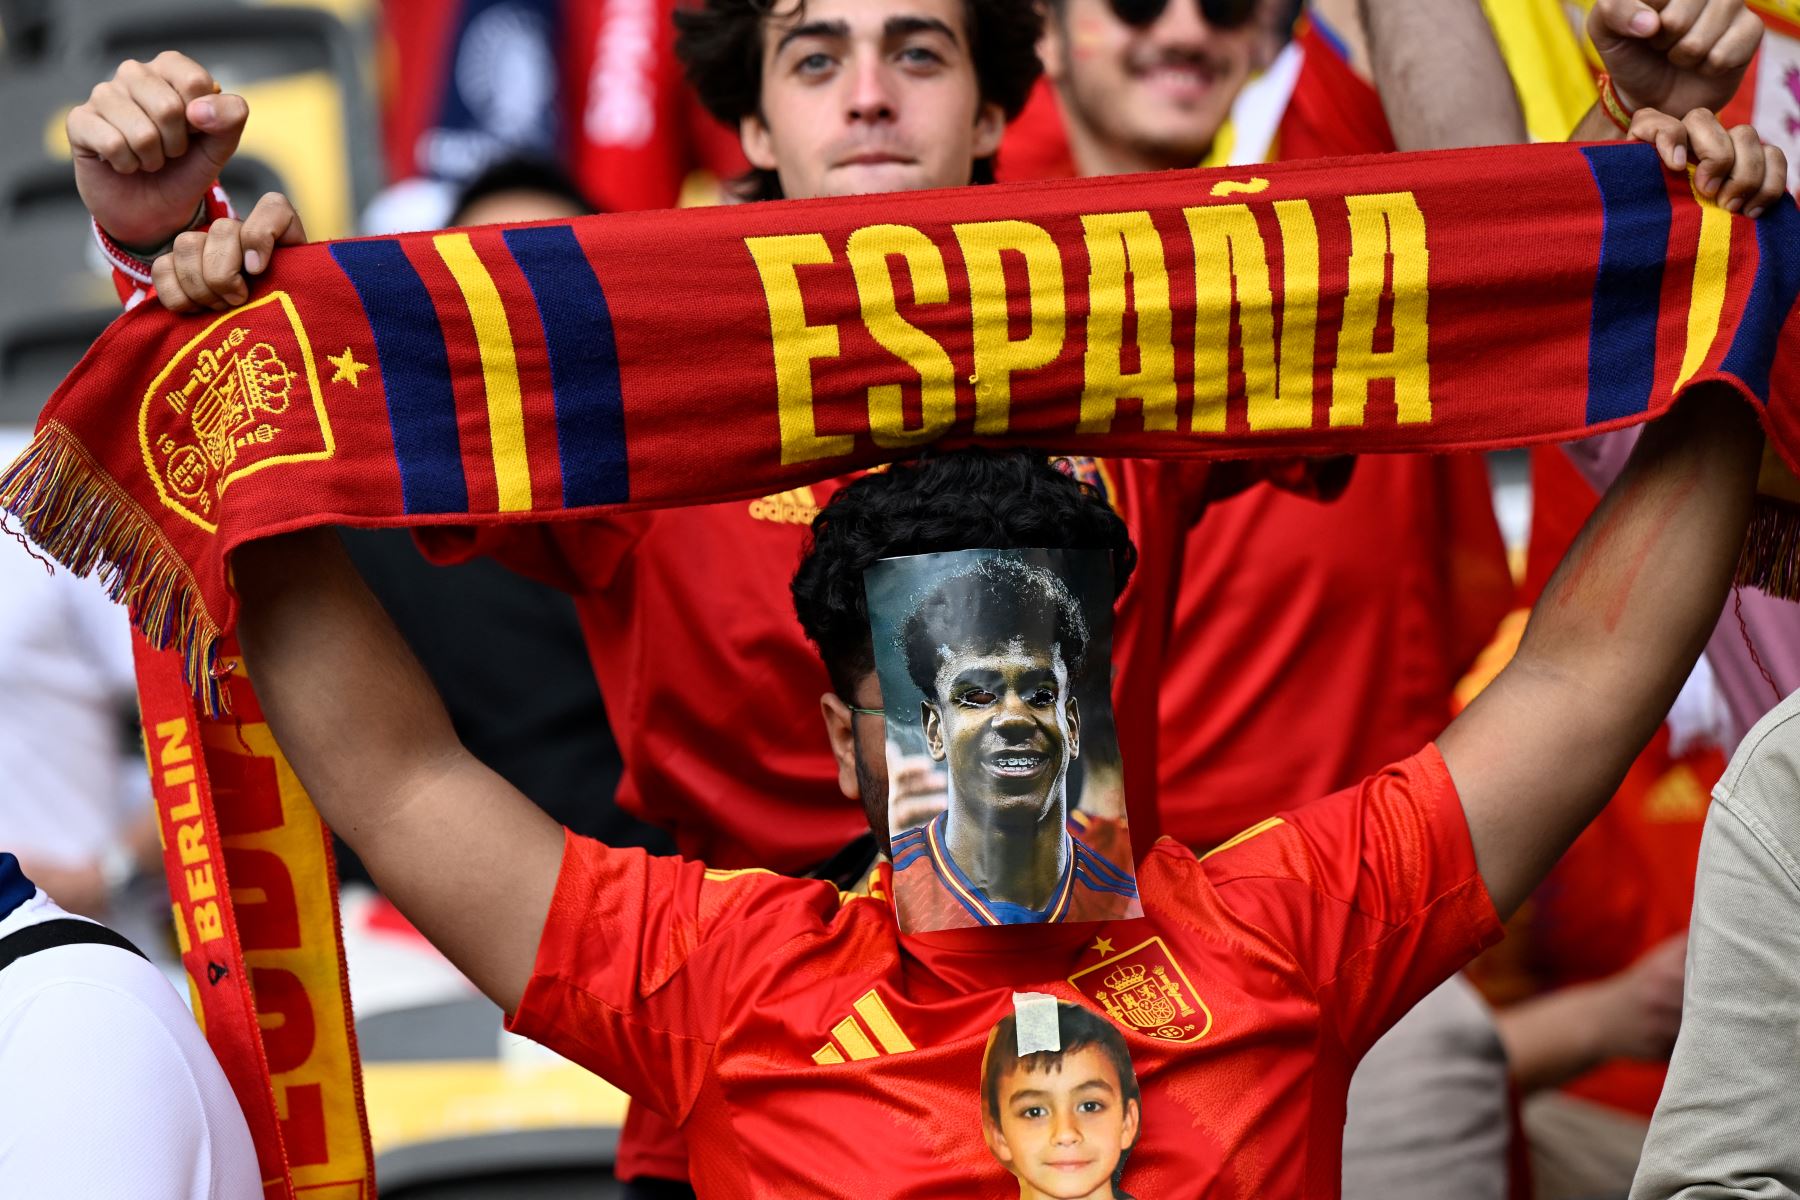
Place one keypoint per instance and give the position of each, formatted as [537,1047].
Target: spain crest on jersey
[241,396]
[1145,990]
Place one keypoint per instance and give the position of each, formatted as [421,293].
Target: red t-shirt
[800,1041]
[1314,642]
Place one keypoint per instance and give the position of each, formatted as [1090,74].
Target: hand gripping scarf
[1435,302]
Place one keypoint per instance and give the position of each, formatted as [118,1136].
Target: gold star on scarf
[1103,945]
[347,367]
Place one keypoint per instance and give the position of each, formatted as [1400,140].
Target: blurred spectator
[107,1087]
[1724,1127]
[76,804]
[591,83]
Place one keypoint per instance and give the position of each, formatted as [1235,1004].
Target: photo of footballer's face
[990,663]
[1003,720]
[1062,1121]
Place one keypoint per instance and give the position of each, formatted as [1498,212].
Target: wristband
[1612,106]
[135,262]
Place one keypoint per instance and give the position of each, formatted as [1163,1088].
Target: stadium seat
[302,69]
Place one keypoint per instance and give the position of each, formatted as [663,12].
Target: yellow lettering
[1231,261]
[189,810]
[190,843]
[796,343]
[868,252]
[209,925]
[174,735]
[998,357]
[200,885]
[1383,227]
[1125,247]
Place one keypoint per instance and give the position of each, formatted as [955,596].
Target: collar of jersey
[995,912]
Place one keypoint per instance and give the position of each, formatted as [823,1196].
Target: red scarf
[1460,300]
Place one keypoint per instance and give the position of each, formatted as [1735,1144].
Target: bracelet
[1612,106]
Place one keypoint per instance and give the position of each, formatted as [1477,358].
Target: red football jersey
[1314,642]
[932,892]
[804,1045]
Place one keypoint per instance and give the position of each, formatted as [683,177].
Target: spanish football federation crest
[1145,990]
[242,396]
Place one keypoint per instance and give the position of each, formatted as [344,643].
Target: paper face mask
[1005,797]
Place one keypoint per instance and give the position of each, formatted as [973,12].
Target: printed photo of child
[1062,1121]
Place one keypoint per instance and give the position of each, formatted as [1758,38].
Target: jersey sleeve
[643,959]
[571,556]
[1373,891]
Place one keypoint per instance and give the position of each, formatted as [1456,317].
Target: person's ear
[996,1141]
[840,728]
[934,730]
[1128,1134]
[759,147]
[1074,728]
[990,125]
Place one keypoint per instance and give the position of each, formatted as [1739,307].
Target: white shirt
[107,1087]
[66,687]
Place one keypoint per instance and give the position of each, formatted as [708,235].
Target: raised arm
[1676,56]
[468,859]
[1620,625]
[1441,78]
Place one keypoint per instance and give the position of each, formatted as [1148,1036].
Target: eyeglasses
[1220,14]
[866,712]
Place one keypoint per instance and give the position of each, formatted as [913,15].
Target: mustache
[1179,56]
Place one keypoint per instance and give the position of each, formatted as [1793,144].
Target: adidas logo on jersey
[794,507]
[851,1038]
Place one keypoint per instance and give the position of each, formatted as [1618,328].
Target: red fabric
[637,130]
[1277,687]
[1333,111]
[703,415]
[781,1023]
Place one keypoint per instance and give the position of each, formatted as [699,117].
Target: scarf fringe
[74,513]
[1771,559]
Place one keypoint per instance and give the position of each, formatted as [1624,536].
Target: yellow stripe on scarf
[499,369]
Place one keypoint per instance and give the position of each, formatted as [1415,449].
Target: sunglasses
[1220,14]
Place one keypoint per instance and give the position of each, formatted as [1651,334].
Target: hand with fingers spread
[148,144]
[1675,56]
[1734,167]
[208,269]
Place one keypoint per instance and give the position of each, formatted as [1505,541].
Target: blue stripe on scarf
[1628,292]
[415,374]
[1772,298]
[584,364]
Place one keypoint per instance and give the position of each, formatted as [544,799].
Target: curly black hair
[1014,596]
[720,45]
[958,500]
